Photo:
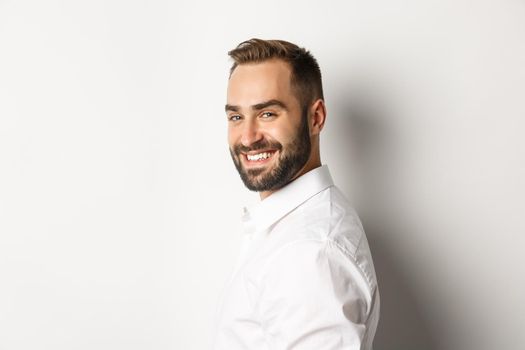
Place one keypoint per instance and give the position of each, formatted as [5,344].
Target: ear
[318,117]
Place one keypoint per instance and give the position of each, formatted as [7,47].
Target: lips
[258,157]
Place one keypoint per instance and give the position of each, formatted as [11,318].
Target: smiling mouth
[259,158]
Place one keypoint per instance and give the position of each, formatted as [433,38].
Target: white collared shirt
[305,277]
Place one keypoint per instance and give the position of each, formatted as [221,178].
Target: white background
[119,204]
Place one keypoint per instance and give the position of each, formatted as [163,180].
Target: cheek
[231,136]
[280,133]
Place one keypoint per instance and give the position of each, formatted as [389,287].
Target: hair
[306,74]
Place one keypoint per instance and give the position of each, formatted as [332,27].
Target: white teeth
[258,156]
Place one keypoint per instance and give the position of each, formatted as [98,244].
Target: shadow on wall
[372,144]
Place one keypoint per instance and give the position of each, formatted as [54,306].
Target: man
[305,278]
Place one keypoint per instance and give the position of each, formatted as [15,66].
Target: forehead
[253,83]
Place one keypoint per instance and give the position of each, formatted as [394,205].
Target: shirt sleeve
[314,296]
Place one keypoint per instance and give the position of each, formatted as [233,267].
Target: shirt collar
[270,210]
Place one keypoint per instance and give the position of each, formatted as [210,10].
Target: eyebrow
[258,106]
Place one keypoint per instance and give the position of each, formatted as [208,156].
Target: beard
[292,158]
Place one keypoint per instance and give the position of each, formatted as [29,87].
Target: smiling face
[268,132]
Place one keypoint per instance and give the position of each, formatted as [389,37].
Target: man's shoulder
[329,225]
[327,215]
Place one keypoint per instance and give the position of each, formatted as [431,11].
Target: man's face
[267,131]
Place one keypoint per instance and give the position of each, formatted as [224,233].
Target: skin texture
[265,115]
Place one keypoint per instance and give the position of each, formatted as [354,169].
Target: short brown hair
[306,75]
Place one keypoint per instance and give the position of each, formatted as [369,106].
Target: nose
[250,133]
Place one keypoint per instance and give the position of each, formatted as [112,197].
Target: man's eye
[268,114]
[234,118]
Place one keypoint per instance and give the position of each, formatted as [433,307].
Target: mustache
[259,145]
